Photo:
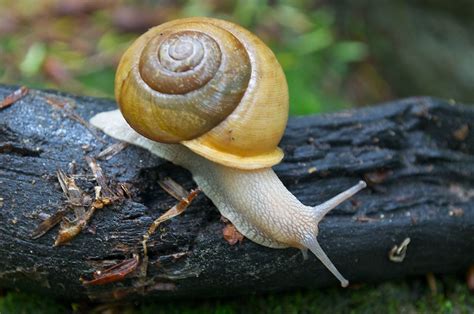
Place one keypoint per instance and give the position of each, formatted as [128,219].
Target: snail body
[230,156]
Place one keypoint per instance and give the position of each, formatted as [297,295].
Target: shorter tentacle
[304,251]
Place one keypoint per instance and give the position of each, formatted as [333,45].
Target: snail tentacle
[313,245]
[322,209]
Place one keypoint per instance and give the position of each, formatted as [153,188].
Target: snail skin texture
[211,97]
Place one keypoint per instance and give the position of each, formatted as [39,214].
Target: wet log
[417,155]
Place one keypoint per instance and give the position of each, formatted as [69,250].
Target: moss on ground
[413,296]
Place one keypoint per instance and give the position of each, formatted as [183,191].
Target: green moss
[22,303]
[393,297]
[412,296]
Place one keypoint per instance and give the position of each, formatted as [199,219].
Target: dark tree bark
[417,155]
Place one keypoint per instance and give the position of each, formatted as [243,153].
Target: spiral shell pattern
[208,84]
[191,77]
[182,63]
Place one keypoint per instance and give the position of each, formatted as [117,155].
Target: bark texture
[417,155]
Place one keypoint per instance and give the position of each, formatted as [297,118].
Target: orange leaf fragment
[231,234]
[114,273]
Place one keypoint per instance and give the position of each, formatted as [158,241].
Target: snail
[210,96]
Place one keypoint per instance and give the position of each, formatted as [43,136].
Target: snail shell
[208,84]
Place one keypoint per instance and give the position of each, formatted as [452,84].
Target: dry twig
[14,97]
[112,150]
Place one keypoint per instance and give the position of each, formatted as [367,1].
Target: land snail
[210,96]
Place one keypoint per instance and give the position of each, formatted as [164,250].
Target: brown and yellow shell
[210,85]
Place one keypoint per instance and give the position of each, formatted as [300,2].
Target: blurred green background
[336,55]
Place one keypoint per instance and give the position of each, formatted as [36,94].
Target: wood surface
[416,154]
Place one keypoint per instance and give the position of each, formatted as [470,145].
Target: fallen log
[417,156]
